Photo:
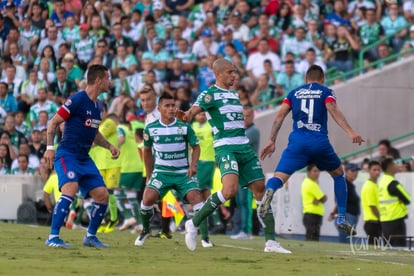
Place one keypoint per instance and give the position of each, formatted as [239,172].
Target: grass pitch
[22,252]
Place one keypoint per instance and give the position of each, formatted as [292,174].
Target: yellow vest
[390,206]
[369,197]
[311,191]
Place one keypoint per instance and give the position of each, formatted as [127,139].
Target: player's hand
[181,115]
[114,151]
[268,150]
[356,138]
[49,156]
[192,170]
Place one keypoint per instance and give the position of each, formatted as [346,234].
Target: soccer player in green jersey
[167,164]
[233,153]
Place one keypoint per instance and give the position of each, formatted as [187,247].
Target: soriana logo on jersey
[89,122]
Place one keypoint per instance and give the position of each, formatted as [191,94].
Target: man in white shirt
[206,46]
[255,62]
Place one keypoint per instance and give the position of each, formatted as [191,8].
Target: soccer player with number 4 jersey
[309,142]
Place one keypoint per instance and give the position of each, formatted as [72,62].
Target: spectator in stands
[97,30]
[121,83]
[10,15]
[370,33]
[385,150]
[71,31]
[123,60]
[159,57]
[263,33]
[392,24]
[101,50]
[35,12]
[7,100]
[21,124]
[205,75]
[4,29]
[60,14]
[83,47]
[255,61]
[206,46]
[150,80]
[283,20]
[199,13]
[240,30]
[232,55]
[299,17]
[42,104]
[64,48]
[339,15]
[18,59]
[52,39]
[29,91]
[310,59]
[288,80]
[384,51]
[43,119]
[128,30]
[61,88]
[340,51]
[171,45]
[162,19]
[314,36]
[5,153]
[176,77]
[47,52]
[23,167]
[44,73]
[271,75]
[188,32]
[12,81]
[119,39]
[24,149]
[247,14]
[73,71]
[36,146]
[227,38]
[263,92]
[178,7]
[298,45]
[185,54]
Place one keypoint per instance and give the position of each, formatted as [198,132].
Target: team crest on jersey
[180,130]
[207,98]
[146,137]
[68,102]
[71,175]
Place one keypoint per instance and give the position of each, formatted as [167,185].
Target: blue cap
[352,167]
[206,32]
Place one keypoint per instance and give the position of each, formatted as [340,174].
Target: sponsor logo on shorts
[234,165]
[157,184]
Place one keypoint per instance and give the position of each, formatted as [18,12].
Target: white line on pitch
[237,247]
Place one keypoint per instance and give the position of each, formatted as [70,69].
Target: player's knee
[102,196]
[229,192]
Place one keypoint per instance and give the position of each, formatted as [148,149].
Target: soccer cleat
[264,207]
[241,236]
[127,223]
[274,246]
[57,242]
[190,235]
[93,241]
[71,219]
[166,236]
[206,243]
[141,238]
[110,227]
[345,226]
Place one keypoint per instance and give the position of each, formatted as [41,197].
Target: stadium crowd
[47,46]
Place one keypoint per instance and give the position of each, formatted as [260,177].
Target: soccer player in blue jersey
[309,142]
[75,169]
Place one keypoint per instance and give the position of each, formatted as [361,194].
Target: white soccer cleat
[241,236]
[141,238]
[274,246]
[190,235]
[206,243]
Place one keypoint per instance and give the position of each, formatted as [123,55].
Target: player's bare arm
[149,161]
[340,119]
[270,147]
[51,132]
[195,155]
[188,115]
[101,141]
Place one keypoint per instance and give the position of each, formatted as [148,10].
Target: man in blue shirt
[309,142]
[82,114]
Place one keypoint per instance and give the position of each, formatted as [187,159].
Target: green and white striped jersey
[225,114]
[170,145]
